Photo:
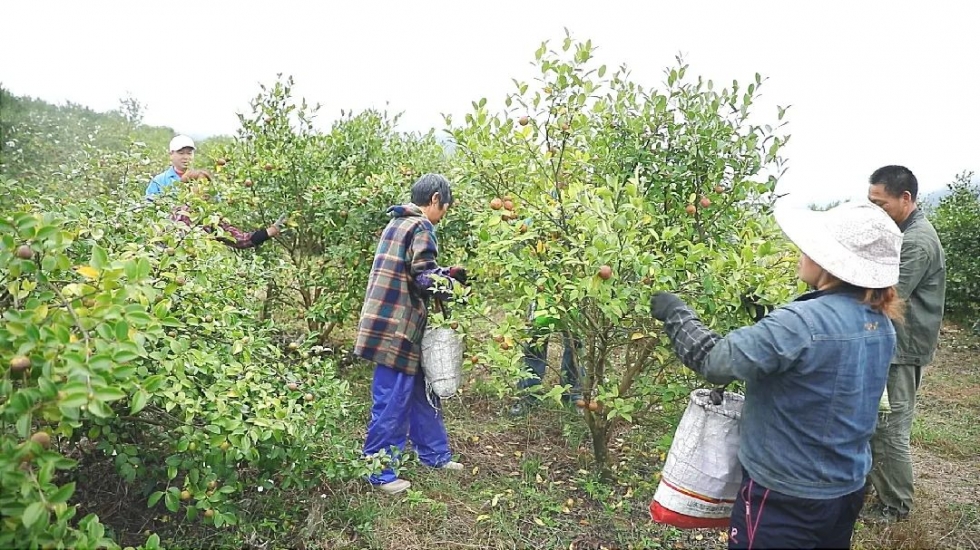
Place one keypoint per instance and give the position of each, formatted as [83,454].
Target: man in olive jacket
[389,334]
[922,284]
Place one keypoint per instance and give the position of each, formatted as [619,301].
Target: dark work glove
[751,304]
[663,303]
[458,274]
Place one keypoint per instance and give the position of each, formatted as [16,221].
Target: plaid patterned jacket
[394,314]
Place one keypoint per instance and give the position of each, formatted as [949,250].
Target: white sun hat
[857,242]
[179,142]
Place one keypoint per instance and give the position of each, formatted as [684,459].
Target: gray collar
[908,221]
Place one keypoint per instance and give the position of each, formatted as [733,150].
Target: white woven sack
[702,474]
[442,361]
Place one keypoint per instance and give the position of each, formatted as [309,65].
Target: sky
[869,82]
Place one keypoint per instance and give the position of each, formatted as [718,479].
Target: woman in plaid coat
[390,332]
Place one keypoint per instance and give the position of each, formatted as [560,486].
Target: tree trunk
[600,447]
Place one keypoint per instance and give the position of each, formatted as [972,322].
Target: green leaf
[99,258]
[124,356]
[33,513]
[74,397]
[62,494]
[101,361]
[109,393]
[172,502]
[99,409]
[153,383]
[24,424]
[138,318]
[139,401]
[122,331]
[154,499]
[143,268]
[131,269]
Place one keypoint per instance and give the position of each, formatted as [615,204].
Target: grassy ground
[946,454]
[528,483]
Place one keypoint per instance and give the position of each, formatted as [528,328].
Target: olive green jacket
[922,284]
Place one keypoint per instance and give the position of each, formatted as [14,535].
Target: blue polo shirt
[161,182]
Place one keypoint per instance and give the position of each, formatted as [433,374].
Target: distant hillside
[38,138]
[931,199]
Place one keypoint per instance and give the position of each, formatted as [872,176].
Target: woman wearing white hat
[814,373]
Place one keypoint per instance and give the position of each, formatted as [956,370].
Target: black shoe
[521,408]
[879,513]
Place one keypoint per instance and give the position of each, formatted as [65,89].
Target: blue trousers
[400,411]
[763,518]
[536,361]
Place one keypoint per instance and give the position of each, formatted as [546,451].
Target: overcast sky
[870,82]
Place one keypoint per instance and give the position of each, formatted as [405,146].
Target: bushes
[143,339]
[957,220]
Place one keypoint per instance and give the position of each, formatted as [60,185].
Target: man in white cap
[181,156]
[814,373]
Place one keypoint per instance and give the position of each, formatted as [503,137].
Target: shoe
[520,408]
[395,487]
[879,513]
[892,515]
[452,465]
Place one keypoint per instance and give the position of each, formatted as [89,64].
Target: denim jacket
[814,372]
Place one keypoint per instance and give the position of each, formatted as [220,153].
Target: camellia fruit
[292,386]
[454,325]
[224,446]
[509,205]
[42,438]
[269,167]
[308,397]
[523,120]
[691,209]
[19,364]
[185,495]
[209,513]
[605,272]
[705,202]
[247,183]
[496,204]
[221,162]
[593,406]
[580,403]
[24,252]
[719,189]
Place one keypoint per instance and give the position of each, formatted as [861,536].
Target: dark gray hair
[428,185]
[897,180]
